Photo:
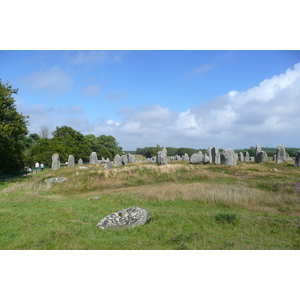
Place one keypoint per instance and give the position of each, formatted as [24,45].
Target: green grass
[192,206]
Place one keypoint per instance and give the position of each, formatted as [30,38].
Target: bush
[225,217]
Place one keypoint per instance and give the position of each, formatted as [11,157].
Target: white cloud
[54,79]
[91,91]
[267,114]
[93,57]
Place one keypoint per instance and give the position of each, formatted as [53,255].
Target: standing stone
[247,157]
[185,157]
[80,161]
[241,154]
[208,154]
[129,217]
[71,161]
[177,157]
[131,158]
[107,165]
[196,158]
[55,162]
[215,156]
[124,159]
[206,159]
[281,154]
[161,157]
[93,158]
[260,156]
[297,160]
[117,161]
[228,157]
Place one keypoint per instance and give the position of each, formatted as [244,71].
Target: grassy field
[248,206]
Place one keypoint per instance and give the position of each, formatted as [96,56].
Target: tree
[13,129]
[67,140]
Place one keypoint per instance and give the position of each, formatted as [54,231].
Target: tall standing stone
[208,153]
[124,159]
[247,157]
[131,158]
[93,158]
[297,160]
[161,157]
[215,156]
[281,154]
[260,156]
[241,155]
[55,162]
[228,157]
[185,157]
[117,161]
[71,161]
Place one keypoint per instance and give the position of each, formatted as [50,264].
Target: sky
[174,98]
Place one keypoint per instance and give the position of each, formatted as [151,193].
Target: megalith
[281,154]
[228,157]
[241,156]
[55,161]
[71,161]
[117,161]
[80,161]
[247,157]
[93,158]
[161,157]
[215,156]
[196,158]
[185,157]
[297,159]
[129,217]
[124,159]
[260,155]
[107,165]
[131,158]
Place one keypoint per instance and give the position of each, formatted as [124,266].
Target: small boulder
[129,217]
[55,180]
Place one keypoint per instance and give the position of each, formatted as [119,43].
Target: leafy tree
[67,141]
[13,129]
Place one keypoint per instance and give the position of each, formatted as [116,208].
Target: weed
[226,217]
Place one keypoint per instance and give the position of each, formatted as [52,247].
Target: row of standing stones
[136,216]
[212,155]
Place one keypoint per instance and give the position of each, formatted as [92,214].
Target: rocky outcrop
[129,217]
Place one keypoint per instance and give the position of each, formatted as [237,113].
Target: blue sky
[176,98]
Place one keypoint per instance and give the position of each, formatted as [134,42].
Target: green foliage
[226,217]
[13,129]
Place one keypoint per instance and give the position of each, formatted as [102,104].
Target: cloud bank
[267,114]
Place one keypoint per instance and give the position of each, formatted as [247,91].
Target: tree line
[18,149]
